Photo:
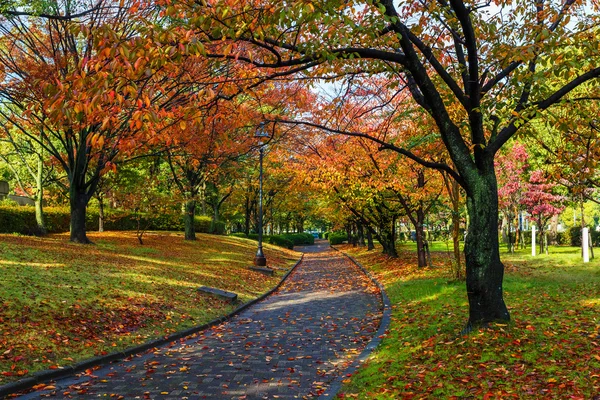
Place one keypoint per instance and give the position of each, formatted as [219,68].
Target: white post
[585,244]
[533,240]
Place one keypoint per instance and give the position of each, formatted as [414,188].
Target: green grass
[551,349]
[62,302]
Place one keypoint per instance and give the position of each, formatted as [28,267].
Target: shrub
[575,236]
[337,237]
[595,237]
[202,223]
[280,240]
[217,228]
[21,219]
[299,238]
[238,234]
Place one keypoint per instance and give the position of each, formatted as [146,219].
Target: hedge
[19,219]
[337,237]
[287,240]
[280,240]
[299,239]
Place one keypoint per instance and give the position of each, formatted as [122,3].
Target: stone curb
[48,375]
[337,383]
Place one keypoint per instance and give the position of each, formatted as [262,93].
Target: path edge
[386,318]
[48,375]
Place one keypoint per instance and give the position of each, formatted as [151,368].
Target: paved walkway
[290,345]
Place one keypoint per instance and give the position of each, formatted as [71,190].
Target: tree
[26,159]
[512,186]
[478,72]
[541,204]
[67,89]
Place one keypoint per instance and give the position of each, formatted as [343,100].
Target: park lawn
[63,302]
[551,349]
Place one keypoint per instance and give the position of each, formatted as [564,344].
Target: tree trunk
[388,238]
[361,234]
[100,213]
[484,270]
[188,220]
[78,204]
[420,237]
[456,240]
[39,198]
[370,244]
[215,218]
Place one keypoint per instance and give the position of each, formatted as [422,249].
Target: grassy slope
[62,302]
[550,350]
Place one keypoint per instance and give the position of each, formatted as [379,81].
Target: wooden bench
[230,296]
[264,270]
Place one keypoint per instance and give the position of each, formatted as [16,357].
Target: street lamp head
[261,132]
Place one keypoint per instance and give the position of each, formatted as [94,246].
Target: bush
[279,240]
[217,228]
[337,237]
[299,238]
[202,223]
[238,234]
[595,238]
[575,236]
[21,219]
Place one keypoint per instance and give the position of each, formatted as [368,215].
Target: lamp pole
[260,260]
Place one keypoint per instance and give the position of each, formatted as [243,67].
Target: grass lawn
[63,302]
[550,350]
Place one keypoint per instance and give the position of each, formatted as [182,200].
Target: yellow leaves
[227,50]
[96,140]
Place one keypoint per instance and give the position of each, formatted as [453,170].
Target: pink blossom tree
[542,204]
[512,185]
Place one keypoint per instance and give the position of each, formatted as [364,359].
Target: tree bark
[39,197]
[361,234]
[78,204]
[370,244]
[484,270]
[420,238]
[387,238]
[188,220]
[100,213]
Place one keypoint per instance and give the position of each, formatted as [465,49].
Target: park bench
[264,270]
[229,296]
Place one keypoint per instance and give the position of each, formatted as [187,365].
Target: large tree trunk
[485,271]
[78,203]
[188,220]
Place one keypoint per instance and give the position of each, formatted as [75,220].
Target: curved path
[290,345]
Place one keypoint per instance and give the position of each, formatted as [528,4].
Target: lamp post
[260,260]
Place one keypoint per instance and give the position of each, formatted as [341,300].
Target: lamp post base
[260,261]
